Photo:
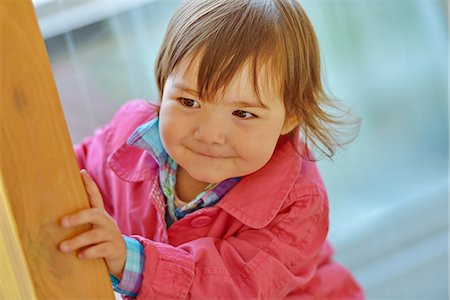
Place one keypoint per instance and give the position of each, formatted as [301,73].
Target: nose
[211,129]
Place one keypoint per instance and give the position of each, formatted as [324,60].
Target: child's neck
[186,187]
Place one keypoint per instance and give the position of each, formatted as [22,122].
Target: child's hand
[104,239]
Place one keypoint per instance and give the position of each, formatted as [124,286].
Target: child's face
[217,140]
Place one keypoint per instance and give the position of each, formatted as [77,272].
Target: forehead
[265,90]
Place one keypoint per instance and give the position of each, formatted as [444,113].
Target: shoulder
[128,117]
[309,180]
[305,212]
[294,155]
[308,192]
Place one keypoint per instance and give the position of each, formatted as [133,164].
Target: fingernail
[65,222]
[86,173]
[63,247]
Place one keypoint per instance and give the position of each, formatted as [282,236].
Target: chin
[207,178]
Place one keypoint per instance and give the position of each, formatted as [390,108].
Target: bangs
[214,77]
[243,35]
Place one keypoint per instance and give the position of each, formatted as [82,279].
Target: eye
[242,114]
[189,102]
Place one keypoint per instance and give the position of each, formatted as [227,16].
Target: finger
[96,251]
[95,216]
[85,239]
[95,197]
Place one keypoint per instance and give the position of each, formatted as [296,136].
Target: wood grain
[15,279]
[39,176]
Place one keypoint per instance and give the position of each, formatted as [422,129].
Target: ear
[289,123]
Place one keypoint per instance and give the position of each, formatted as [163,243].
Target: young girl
[214,193]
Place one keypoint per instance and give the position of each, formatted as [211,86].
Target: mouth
[208,154]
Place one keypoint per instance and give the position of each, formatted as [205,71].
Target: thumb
[95,197]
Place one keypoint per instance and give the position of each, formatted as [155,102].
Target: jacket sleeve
[271,263]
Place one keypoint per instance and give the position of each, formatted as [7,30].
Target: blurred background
[387,59]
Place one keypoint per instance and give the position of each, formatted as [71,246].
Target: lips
[207,153]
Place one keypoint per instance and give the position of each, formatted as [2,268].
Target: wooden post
[39,176]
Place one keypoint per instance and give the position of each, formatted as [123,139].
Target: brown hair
[277,34]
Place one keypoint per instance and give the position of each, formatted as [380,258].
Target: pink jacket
[266,238]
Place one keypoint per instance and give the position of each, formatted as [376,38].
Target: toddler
[214,192]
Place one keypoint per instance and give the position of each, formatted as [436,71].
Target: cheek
[257,149]
[167,127]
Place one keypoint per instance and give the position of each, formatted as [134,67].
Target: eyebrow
[244,104]
[185,88]
[241,103]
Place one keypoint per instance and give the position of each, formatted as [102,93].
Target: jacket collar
[147,137]
[125,161]
[133,164]
[259,196]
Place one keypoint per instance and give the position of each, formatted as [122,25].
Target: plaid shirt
[147,137]
[132,274]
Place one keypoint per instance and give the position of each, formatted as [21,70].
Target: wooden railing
[39,176]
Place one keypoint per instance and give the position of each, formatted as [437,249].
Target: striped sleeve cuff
[132,273]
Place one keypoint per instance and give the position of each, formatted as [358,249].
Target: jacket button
[201,221]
